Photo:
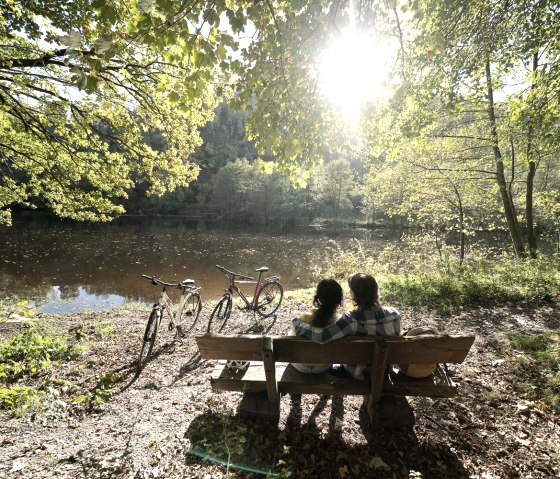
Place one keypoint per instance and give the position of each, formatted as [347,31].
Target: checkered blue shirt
[368,322]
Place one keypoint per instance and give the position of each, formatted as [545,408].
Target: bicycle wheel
[269,298]
[188,316]
[220,315]
[149,337]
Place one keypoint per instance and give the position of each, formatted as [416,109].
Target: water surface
[71,267]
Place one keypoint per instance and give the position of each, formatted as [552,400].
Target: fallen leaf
[378,463]
[17,466]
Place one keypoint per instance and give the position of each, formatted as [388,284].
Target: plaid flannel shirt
[368,322]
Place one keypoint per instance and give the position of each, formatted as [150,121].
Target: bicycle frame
[259,285]
[166,303]
[267,297]
[177,319]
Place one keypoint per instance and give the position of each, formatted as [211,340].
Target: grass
[299,297]
[534,362]
[31,360]
[410,276]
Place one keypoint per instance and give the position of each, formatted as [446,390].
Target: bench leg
[257,405]
[390,412]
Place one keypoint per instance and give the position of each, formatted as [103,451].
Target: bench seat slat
[289,381]
[253,380]
[438,384]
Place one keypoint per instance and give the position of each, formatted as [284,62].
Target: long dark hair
[328,298]
[365,291]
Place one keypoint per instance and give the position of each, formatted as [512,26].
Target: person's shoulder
[377,312]
[348,316]
[389,310]
[306,317]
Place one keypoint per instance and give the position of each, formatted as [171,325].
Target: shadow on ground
[257,448]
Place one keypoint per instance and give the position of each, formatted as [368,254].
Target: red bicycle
[266,298]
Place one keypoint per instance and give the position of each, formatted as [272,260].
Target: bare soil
[168,423]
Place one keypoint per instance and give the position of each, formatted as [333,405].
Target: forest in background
[442,189]
[234,188]
[108,103]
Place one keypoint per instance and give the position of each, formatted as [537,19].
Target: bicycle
[266,298]
[182,320]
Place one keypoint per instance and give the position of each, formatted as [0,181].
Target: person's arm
[345,326]
[390,323]
[305,318]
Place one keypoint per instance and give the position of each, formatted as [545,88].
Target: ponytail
[327,299]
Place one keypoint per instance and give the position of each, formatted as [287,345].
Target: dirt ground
[168,423]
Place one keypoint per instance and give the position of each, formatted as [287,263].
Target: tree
[82,82]
[80,85]
[464,55]
[334,186]
[436,185]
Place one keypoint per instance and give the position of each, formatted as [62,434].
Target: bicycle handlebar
[159,282]
[240,276]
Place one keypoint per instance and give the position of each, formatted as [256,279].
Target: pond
[70,267]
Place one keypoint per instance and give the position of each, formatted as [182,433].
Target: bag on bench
[419,370]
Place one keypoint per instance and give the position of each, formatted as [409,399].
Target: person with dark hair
[328,297]
[368,318]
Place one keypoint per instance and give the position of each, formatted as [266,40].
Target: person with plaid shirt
[369,318]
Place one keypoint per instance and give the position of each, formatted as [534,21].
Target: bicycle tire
[149,338]
[220,315]
[188,316]
[269,298]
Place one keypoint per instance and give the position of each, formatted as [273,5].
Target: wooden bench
[270,374]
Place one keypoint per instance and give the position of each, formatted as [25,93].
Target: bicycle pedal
[180,333]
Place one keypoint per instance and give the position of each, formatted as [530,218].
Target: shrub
[32,352]
[412,274]
[19,399]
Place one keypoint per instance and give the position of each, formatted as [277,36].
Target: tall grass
[413,273]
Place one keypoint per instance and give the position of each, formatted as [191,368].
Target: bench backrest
[359,350]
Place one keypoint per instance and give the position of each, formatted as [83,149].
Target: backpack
[419,370]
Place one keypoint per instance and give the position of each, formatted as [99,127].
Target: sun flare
[352,72]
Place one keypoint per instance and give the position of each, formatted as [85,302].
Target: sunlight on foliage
[34,350]
[20,399]
[410,275]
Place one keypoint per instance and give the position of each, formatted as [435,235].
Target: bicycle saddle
[262,269]
[187,281]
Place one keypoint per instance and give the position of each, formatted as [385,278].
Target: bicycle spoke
[269,298]
[149,338]
[220,315]
[189,314]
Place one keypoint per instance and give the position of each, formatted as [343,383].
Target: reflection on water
[71,267]
[58,301]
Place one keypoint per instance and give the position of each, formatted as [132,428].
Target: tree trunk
[462,236]
[507,200]
[531,236]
